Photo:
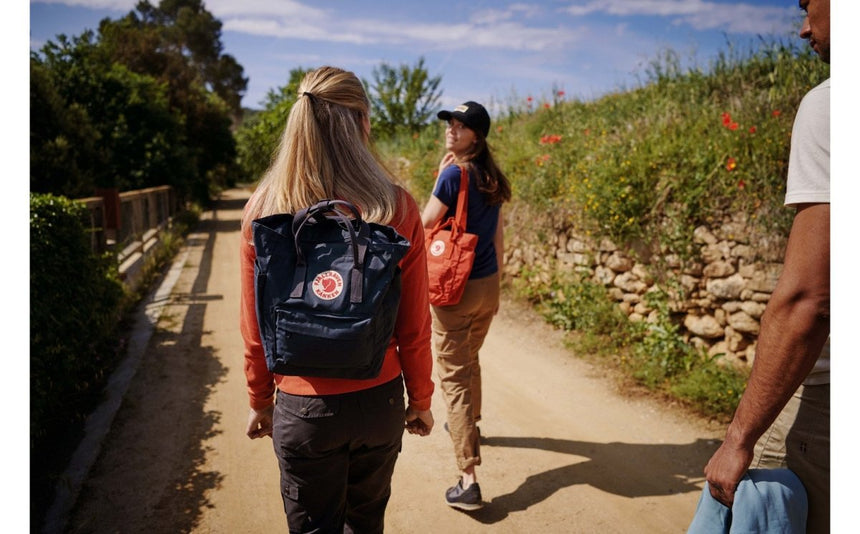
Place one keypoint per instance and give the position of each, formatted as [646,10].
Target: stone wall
[727,280]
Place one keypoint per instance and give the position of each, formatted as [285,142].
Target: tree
[94,123]
[179,43]
[402,98]
[258,137]
[159,93]
[177,38]
[64,144]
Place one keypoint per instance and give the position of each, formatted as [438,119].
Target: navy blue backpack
[327,290]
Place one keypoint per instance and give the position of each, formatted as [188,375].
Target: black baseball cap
[471,114]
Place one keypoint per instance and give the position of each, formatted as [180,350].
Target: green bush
[713,388]
[584,306]
[75,304]
[662,352]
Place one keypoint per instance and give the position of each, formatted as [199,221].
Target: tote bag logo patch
[328,285]
[437,248]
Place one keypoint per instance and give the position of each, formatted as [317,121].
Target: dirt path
[563,450]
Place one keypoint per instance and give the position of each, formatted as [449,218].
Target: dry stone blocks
[719,294]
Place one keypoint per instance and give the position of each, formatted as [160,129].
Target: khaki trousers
[458,333]
[799,439]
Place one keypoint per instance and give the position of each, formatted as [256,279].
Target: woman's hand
[419,421]
[447,161]
[260,422]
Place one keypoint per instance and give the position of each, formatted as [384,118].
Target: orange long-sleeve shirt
[408,352]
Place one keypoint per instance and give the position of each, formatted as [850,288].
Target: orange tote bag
[451,252]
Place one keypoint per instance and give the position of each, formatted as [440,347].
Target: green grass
[650,164]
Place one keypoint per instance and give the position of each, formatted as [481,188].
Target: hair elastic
[310,95]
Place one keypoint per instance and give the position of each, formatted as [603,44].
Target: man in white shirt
[783,418]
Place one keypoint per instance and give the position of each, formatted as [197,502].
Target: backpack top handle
[358,242]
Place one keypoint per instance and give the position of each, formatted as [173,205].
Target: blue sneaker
[464,499]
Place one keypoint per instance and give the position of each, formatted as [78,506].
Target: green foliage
[258,136]
[584,306]
[713,387]
[178,42]
[150,101]
[662,353]
[403,99]
[64,150]
[414,158]
[73,335]
[137,135]
[134,140]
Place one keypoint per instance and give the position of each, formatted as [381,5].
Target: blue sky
[492,52]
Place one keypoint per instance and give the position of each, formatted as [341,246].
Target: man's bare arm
[794,328]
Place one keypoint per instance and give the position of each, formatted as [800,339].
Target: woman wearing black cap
[459,330]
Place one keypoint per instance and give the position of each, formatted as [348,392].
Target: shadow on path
[624,469]
[150,475]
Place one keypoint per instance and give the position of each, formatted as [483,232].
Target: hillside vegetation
[649,164]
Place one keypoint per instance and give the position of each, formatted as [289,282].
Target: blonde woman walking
[337,440]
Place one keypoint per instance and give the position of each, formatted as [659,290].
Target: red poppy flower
[727,119]
[529,100]
[546,105]
[560,93]
[733,126]
[752,129]
[741,184]
[776,113]
[731,164]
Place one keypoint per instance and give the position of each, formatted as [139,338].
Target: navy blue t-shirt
[481,218]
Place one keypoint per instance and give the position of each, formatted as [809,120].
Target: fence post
[112,212]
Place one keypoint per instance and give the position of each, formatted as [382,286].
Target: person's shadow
[626,469]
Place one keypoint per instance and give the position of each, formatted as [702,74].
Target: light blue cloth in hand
[766,501]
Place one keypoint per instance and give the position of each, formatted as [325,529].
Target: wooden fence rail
[130,224]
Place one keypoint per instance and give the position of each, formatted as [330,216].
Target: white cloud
[495,30]
[490,16]
[745,18]
[299,12]
[700,14]
[291,29]
[517,37]
[526,10]
[632,7]
[118,5]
